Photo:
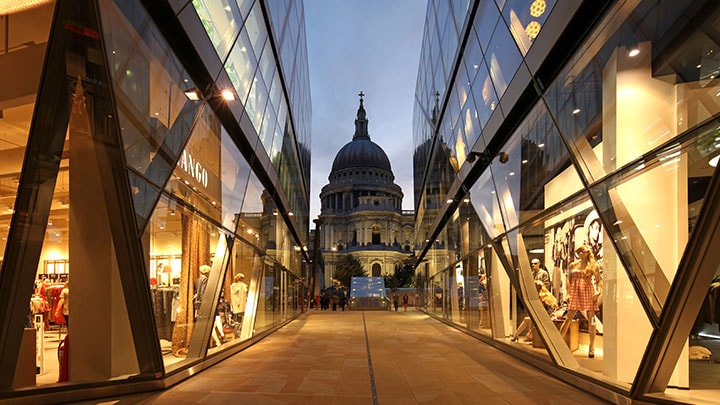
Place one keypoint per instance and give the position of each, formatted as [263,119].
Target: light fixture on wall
[486,157]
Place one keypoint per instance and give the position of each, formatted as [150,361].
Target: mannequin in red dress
[581,292]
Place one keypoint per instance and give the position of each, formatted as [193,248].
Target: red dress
[581,291]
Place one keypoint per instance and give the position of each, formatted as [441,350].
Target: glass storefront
[122,178]
[589,202]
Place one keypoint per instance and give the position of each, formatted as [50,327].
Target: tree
[348,268]
[404,277]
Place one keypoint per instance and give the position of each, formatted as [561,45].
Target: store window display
[582,293]
[549,303]
[238,297]
[200,286]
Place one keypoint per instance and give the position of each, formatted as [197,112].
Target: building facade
[361,209]
[154,185]
[583,135]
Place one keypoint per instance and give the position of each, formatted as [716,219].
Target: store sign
[193,167]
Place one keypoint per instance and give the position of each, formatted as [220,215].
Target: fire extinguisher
[63,353]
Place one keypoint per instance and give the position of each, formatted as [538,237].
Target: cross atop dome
[361,122]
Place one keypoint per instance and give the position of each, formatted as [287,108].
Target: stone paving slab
[322,358]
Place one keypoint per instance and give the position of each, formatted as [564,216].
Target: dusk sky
[371,46]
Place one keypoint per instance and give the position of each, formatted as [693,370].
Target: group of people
[584,289]
[326,300]
[396,301]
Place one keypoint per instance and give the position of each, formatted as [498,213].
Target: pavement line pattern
[370,366]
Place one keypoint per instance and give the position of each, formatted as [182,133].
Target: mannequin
[549,302]
[581,293]
[238,296]
[200,285]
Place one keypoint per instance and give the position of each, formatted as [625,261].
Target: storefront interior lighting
[633,51]
[449,201]
[290,213]
[576,111]
[714,161]
[15,6]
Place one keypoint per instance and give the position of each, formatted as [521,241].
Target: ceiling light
[576,111]
[192,94]
[633,51]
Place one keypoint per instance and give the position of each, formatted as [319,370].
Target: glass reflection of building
[588,124]
[151,154]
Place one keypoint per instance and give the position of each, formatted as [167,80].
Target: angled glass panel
[267,131]
[476,292]
[534,170]
[256,102]
[240,66]
[502,58]
[486,18]
[235,172]
[26,39]
[472,233]
[486,100]
[525,19]
[197,177]
[651,228]
[632,90]
[485,201]
[266,300]
[505,169]
[257,205]
[245,267]
[89,228]
[456,293]
[255,27]
[156,114]
[267,63]
[145,196]
[470,123]
[222,21]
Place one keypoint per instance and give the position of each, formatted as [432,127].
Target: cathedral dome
[361,152]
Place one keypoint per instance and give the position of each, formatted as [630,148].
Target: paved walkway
[364,358]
